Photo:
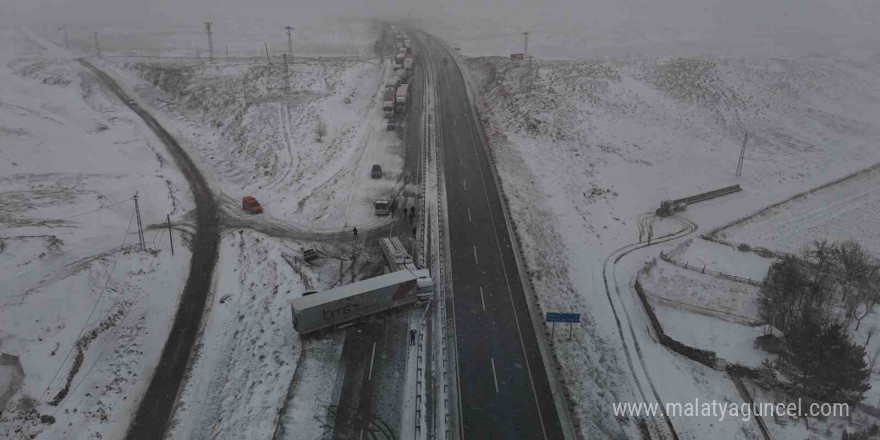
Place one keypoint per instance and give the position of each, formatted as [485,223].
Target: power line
[115,330]
[85,324]
[75,215]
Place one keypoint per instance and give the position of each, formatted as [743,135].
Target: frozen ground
[720,297]
[268,148]
[600,142]
[86,311]
[721,258]
[846,210]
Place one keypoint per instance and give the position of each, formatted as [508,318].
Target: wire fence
[667,258]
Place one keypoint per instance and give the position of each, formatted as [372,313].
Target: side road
[155,410]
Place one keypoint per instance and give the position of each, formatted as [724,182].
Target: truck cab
[424,283]
[251,205]
[382,207]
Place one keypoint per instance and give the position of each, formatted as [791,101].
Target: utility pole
[742,155]
[289,41]
[97,45]
[244,87]
[227,52]
[526,48]
[137,210]
[66,40]
[210,40]
[286,75]
[170,237]
[530,74]
[266,45]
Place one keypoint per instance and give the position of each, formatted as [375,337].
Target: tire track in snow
[688,228]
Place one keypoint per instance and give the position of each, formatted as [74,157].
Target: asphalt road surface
[154,410]
[504,390]
[372,383]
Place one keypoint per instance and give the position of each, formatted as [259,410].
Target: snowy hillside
[83,307]
[269,148]
[598,143]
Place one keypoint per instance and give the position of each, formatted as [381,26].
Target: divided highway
[503,387]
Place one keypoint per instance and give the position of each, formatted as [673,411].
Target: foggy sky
[845,21]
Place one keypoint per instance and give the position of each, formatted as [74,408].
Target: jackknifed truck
[349,303]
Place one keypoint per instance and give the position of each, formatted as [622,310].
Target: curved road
[153,413]
[632,349]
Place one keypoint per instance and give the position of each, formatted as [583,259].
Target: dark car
[376,172]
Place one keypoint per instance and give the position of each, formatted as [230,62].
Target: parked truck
[408,62]
[401,99]
[407,43]
[344,304]
[382,207]
[398,59]
[388,102]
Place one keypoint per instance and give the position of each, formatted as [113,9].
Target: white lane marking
[476,260]
[469,215]
[509,291]
[494,376]
[482,300]
[372,356]
[464,181]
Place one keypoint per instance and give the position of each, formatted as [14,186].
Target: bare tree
[320,129]
[649,227]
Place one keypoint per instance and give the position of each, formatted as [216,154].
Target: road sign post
[569,318]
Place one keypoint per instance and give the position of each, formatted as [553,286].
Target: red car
[251,205]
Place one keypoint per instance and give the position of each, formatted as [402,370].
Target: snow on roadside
[600,142]
[248,352]
[74,281]
[269,148]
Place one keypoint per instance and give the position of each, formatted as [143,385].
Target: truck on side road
[351,302]
[388,101]
[401,98]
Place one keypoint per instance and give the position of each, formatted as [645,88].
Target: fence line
[685,265]
[721,314]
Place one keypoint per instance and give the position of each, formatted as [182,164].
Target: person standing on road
[412,337]
[355,230]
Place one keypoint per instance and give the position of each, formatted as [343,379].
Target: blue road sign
[563,317]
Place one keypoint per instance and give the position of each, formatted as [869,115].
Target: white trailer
[354,301]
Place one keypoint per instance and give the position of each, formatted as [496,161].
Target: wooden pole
[266,45]
[170,237]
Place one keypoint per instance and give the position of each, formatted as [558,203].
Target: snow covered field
[82,306]
[599,142]
[846,210]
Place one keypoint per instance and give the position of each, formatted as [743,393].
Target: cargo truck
[388,102]
[401,99]
[408,62]
[398,59]
[406,43]
[344,304]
